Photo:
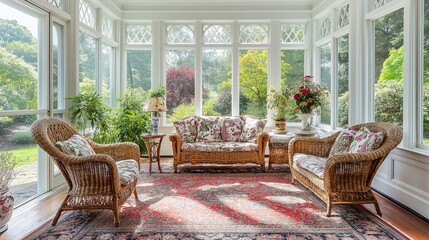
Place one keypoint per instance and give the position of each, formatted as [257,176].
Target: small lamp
[155,105]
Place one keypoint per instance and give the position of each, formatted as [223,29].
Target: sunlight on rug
[220,206]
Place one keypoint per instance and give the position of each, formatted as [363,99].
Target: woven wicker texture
[93,180]
[347,178]
[205,157]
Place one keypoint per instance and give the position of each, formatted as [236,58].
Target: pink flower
[296,96]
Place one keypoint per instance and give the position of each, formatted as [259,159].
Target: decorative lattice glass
[325,27]
[180,34]
[107,27]
[343,16]
[379,3]
[139,34]
[254,33]
[217,34]
[57,3]
[86,14]
[292,33]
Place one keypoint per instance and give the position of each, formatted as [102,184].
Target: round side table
[153,145]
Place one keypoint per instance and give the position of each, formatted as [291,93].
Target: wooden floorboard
[31,217]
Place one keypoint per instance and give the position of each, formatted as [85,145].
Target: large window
[87,63]
[343,80]
[388,75]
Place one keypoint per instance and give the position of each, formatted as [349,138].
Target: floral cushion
[208,129]
[231,128]
[251,129]
[219,147]
[128,171]
[76,145]
[311,163]
[343,141]
[187,128]
[365,141]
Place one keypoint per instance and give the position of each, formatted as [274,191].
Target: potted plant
[309,97]
[7,174]
[278,100]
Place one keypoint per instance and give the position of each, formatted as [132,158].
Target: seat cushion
[232,128]
[343,141]
[365,141]
[208,129]
[311,163]
[251,129]
[76,145]
[128,171]
[218,147]
[187,129]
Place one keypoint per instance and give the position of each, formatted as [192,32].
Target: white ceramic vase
[306,121]
[6,209]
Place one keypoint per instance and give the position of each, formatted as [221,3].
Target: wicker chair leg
[263,167]
[135,193]
[60,210]
[116,211]
[328,209]
[175,167]
[377,208]
[292,180]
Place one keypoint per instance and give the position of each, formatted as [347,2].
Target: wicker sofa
[339,169]
[219,140]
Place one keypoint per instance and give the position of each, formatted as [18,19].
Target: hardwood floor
[27,218]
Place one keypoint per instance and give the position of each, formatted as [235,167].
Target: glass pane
[87,66]
[216,82]
[343,80]
[139,69]
[107,27]
[325,27]
[292,70]
[180,34]
[107,74]
[256,33]
[17,140]
[253,82]
[425,103]
[19,47]
[292,33]
[86,14]
[325,77]
[139,34]
[57,3]
[180,87]
[389,53]
[58,66]
[217,34]
[379,3]
[343,16]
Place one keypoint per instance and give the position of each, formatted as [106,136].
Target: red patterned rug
[220,206]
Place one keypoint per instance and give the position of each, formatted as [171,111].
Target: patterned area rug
[220,206]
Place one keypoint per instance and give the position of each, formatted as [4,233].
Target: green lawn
[24,155]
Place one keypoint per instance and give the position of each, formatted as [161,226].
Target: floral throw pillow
[365,141]
[187,128]
[208,129]
[75,146]
[343,141]
[232,128]
[251,129]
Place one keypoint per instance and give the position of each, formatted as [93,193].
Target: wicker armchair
[348,176]
[93,180]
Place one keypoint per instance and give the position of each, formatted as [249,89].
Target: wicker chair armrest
[92,174]
[262,141]
[311,145]
[352,171]
[118,151]
[176,142]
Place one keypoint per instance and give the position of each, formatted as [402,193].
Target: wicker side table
[278,147]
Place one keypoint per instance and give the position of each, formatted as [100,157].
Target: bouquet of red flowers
[309,96]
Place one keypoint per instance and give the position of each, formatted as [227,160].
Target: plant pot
[280,126]
[6,209]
